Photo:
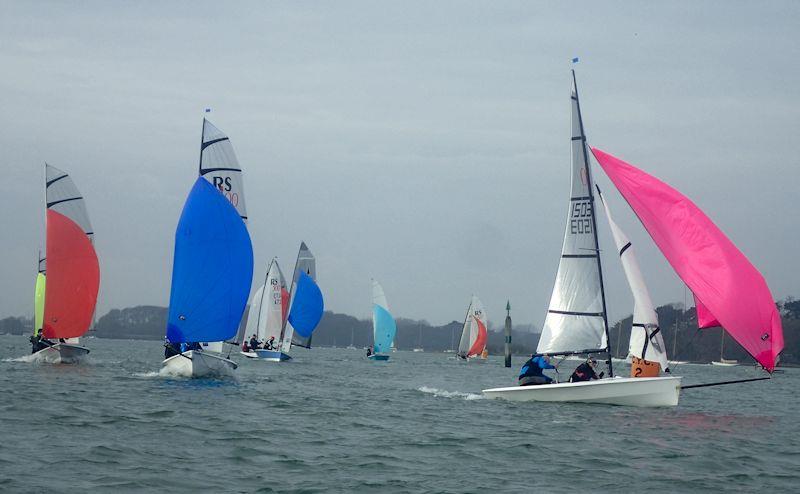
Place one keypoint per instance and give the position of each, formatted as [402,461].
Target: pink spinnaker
[727,288]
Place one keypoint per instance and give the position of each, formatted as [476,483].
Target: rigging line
[726,382]
[685,346]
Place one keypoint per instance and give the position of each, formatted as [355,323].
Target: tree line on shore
[683,339]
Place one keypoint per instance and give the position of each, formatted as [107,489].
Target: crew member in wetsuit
[270,345]
[369,351]
[254,343]
[170,350]
[532,373]
[586,371]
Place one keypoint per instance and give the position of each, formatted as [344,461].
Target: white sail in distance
[575,319]
[218,165]
[646,341]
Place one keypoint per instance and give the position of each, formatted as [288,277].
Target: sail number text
[581,218]
[224,186]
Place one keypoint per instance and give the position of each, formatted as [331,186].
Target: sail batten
[731,289]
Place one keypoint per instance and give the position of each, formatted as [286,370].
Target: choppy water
[332,421]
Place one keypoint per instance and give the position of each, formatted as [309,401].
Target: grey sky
[423,144]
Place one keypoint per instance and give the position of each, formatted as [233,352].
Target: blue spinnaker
[384,328]
[212,268]
[307,306]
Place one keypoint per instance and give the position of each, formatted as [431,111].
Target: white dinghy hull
[626,391]
[197,364]
[61,353]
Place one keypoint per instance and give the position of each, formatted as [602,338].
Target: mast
[202,133]
[594,226]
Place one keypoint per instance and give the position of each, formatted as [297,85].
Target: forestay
[212,269]
[575,319]
[646,341]
[732,291]
[218,165]
[383,324]
[473,334]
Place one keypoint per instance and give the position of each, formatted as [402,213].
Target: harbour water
[332,421]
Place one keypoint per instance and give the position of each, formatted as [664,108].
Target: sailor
[532,373]
[586,371]
[254,343]
[369,351]
[36,342]
[270,345]
[245,346]
[169,350]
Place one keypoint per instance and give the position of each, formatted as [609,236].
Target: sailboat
[306,304]
[282,318]
[212,265]
[265,319]
[724,362]
[576,321]
[69,274]
[728,290]
[473,333]
[384,327]
[419,348]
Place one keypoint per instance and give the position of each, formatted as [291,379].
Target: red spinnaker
[727,288]
[73,279]
[480,341]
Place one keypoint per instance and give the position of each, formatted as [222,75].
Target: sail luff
[463,343]
[594,226]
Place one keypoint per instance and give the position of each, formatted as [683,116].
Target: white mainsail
[646,341]
[218,165]
[576,317]
[273,305]
[254,325]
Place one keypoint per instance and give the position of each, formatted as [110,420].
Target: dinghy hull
[61,353]
[272,356]
[725,363]
[626,391]
[378,356]
[197,364]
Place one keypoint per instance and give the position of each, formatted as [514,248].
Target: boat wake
[24,358]
[150,374]
[441,393]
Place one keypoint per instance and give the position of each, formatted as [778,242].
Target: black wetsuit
[170,350]
[583,372]
[253,344]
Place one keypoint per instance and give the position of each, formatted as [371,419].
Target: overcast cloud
[424,144]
